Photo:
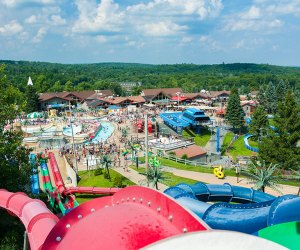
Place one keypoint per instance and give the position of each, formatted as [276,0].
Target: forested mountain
[192,78]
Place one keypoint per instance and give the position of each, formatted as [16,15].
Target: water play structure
[191,117]
[256,210]
[139,217]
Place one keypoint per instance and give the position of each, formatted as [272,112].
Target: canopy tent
[35,115]
[179,98]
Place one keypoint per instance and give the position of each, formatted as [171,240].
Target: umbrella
[35,115]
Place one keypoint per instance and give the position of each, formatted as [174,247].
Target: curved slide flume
[35,216]
[261,211]
[72,190]
[35,187]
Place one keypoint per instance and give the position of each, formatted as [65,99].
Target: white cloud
[101,39]
[96,18]
[39,35]
[57,20]
[252,19]
[31,20]
[136,44]
[186,39]
[201,8]
[210,43]
[163,28]
[14,3]
[252,13]
[10,29]
[283,7]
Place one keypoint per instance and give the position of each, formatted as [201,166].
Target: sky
[151,31]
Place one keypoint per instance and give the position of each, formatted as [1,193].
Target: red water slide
[132,218]
[35,216]
[91,190]
[79,190]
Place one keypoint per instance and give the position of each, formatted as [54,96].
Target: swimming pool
[68,131]
[104,132]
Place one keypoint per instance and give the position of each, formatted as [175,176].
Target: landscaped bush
[106,175]
[98,171]
[118,182]
[172,153]
[184,156]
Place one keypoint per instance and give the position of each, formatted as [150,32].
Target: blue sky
[151,31]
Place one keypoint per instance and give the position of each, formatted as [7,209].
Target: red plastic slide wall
[34,214]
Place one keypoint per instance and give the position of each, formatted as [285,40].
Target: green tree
[106,162]
[136,90]
[295,176]
[271,98]
[280,146]
[154,175]
[259,123]
[263,175]
[14,162]
[69,86]
[281,90]
[32,99]
[234,112]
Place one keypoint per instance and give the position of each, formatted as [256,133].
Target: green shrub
[106,175]
[118,182]
[184,156]
[98,171]
[172,153]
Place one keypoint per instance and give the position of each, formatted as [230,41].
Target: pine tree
[261,98]
[280,146]
[32,99]
[281,90]
[259,123]
[270,98]
[234,112]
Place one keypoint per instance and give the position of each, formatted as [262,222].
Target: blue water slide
[256,211]
[34,178]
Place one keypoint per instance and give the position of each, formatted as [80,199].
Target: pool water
[68,131]
[104,132]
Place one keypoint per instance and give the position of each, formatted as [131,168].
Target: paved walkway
[210,178]
[139,179]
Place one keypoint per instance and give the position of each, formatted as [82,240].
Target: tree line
[53,77]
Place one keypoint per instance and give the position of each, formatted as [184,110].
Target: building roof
[166,91]
[190,151]
[82,94]
[48,96]
[195,95]
[100,94]
[218,93]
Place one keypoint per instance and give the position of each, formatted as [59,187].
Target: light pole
[146,142]
[76,166]
[178,95]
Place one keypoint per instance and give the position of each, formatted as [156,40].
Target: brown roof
[190,151]
[81,94]
[166,91]
[48,96]
[195,95]
[100,94]
[137,99]
[119,100]
[218,93]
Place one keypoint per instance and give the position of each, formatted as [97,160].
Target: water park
[185,215]
[140,217]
